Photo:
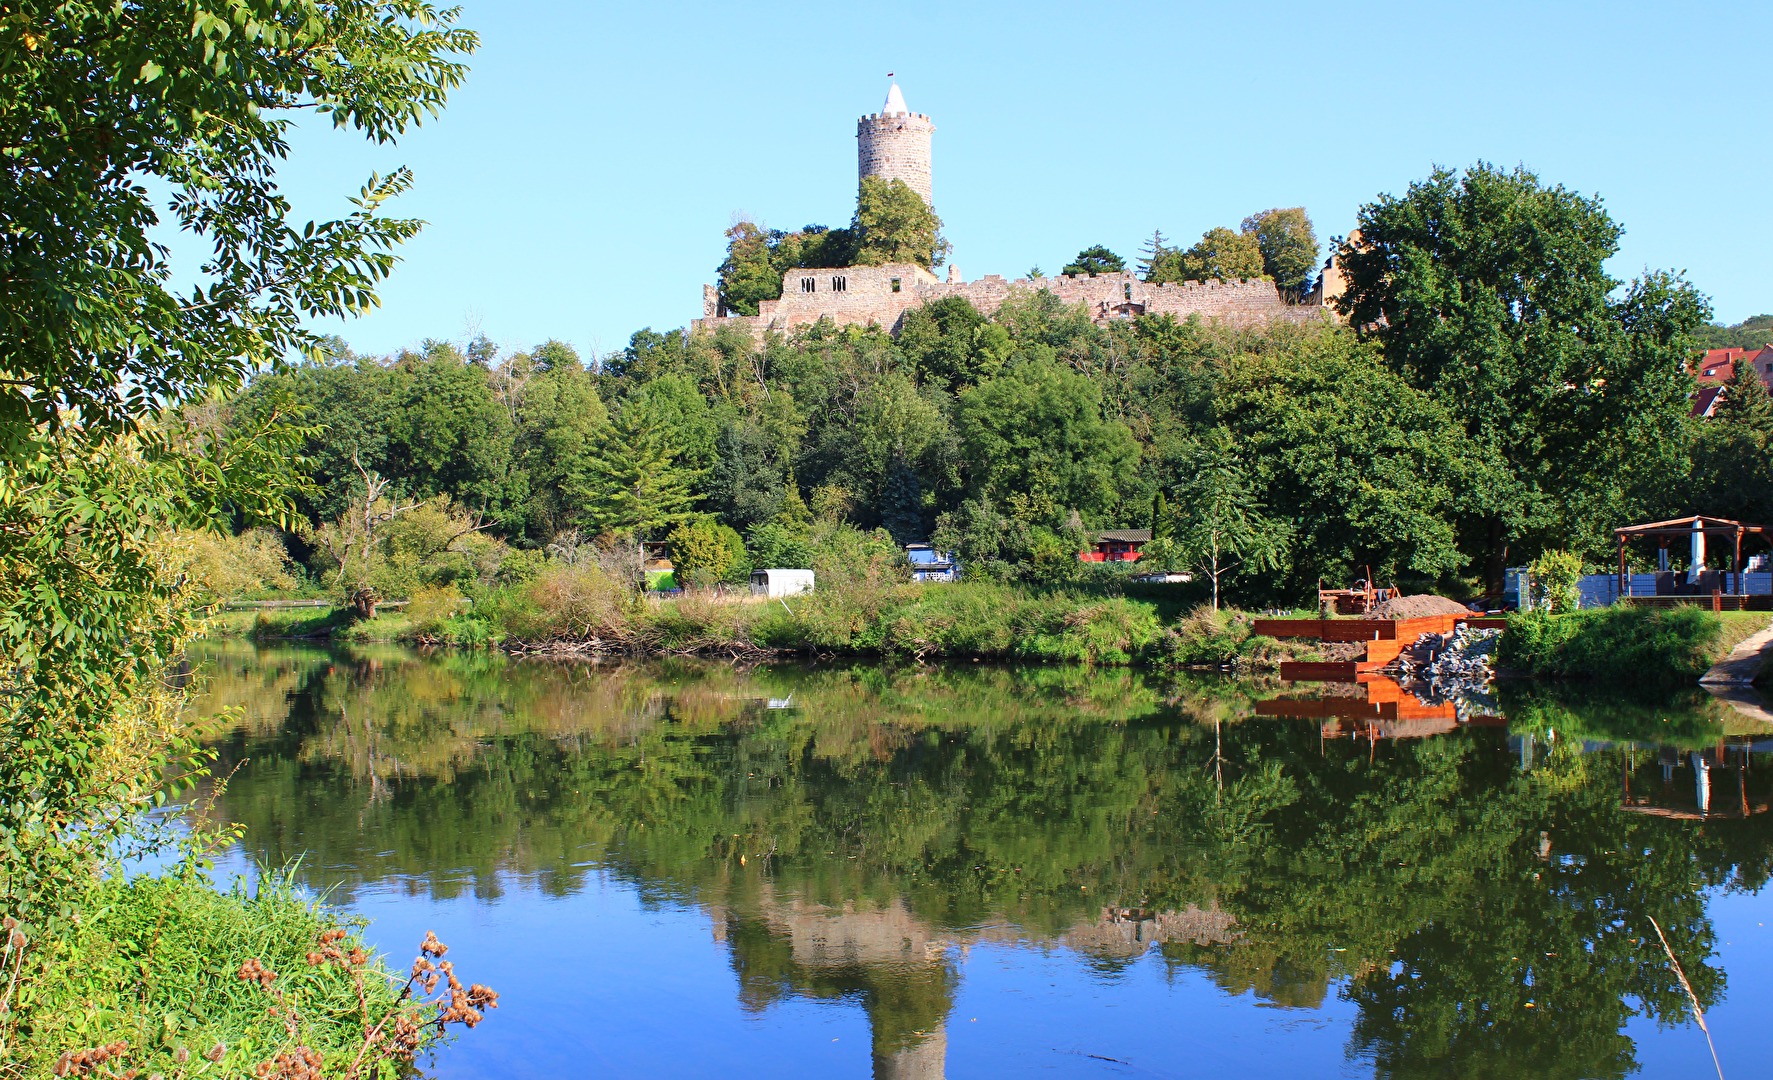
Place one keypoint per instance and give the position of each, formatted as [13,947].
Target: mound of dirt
[1419,607]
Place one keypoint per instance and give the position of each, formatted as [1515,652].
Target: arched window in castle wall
[808,284]
[838,284]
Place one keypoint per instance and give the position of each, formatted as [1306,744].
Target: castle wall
[868,298]
[896,147]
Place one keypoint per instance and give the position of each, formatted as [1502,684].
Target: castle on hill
[894,144]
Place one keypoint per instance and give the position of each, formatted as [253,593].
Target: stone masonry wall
[896,148]
[867,297]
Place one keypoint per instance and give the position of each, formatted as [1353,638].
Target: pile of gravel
[1418,607]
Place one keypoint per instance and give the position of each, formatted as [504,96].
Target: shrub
[1555,575]
[705,552]
[565,602]
[1624,645]
[184,977]
[431,606]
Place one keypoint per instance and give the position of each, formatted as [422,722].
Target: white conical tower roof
[895,103]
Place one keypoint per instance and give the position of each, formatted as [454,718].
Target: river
[688,869]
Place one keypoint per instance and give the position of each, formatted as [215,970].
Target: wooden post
[1739,587]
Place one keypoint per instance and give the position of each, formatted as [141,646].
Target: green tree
[1746,402]
[559,417]
[1153,252]
[449,431]
[756,260]
[109,109]
[1287,242]
[1036,434]
[1220,255]
[748,275]
[777,546]
[947,342]
[894,225]
[1353,456]
[1225,529]
[632,481]
[1488,290]
[114,363]
[705,552]
[1094,260]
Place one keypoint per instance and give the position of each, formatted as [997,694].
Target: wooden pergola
[1687,527]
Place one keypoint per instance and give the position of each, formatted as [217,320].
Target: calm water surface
[689,870]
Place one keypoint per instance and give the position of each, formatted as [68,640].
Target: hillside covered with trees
[1479,410]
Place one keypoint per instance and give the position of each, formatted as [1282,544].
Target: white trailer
[776,583]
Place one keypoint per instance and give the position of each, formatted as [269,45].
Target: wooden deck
[1385,639]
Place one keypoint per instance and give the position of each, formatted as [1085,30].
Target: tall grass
[155,966]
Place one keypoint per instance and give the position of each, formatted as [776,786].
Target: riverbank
[1625,645]
[568,613]
[170,976]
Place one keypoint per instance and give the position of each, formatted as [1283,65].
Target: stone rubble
[1458,667]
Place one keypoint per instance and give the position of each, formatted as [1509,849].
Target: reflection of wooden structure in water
[1385,640]
[1382,709]
[1711,800]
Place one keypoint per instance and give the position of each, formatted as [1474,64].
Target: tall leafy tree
[1221,254]
[894,225]
[1488,290]
[109,112]
[1356,459]
[448,433]
[559,420]
[1225,529]
[1036,434]
[1287,242]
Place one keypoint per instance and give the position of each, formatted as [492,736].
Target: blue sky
[579,184]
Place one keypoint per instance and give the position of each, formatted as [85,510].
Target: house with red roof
[1718,366]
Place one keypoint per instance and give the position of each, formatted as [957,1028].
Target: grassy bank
[155,981]
[1625,645]
[579,609]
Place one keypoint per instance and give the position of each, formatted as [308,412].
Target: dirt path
[1743,663]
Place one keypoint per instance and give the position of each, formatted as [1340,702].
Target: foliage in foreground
[169,976]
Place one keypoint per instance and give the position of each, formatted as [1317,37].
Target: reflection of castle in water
[902,969]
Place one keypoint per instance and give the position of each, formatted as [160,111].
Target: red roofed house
[1116,545]
[1718,366]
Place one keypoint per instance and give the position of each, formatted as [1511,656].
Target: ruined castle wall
[868,297]
[896,148]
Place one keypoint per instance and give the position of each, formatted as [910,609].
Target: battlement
[881,295]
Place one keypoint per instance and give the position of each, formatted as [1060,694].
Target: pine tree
[1746,400]
[1160,516]
[631,482]
[1149,255]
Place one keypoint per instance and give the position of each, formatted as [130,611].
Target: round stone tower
[894,144]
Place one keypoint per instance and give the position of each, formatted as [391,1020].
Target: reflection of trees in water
[848,845]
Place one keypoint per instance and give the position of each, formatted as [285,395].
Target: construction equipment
[1360,598]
